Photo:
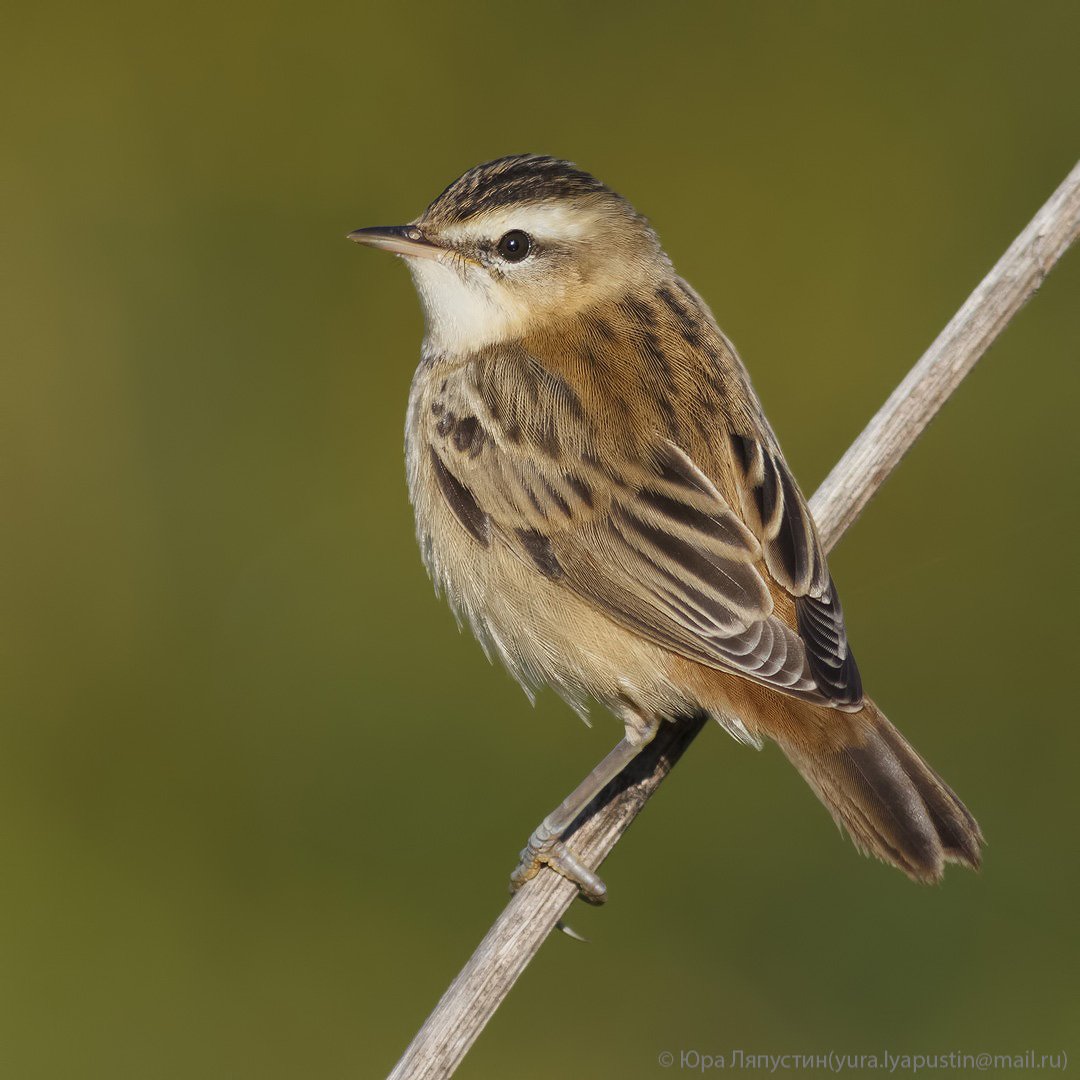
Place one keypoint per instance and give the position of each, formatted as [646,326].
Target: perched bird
[598,492]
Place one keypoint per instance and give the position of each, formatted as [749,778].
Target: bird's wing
[774,509]
[646,536]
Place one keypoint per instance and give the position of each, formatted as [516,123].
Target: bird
[599,495]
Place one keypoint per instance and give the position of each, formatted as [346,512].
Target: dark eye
[514,245]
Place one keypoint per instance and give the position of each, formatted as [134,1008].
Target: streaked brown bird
[598,492]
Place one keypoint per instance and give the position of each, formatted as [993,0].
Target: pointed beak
[405,240]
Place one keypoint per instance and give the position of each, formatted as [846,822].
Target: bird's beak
[405,240]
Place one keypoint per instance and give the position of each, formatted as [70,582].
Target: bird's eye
[514,245]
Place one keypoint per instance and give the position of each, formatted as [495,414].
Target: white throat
[464,308]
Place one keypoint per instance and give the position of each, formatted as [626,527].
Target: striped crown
[521,178]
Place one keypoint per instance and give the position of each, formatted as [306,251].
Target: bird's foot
[545,848]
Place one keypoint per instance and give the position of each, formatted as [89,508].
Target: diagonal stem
[534,911]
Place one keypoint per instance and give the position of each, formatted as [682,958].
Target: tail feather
[891,803]
[959,832]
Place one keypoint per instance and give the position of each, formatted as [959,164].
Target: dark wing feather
[777,514]
[821,626]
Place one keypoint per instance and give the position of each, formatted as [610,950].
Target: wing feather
[778,515]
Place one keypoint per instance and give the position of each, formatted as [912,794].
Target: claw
[570,932]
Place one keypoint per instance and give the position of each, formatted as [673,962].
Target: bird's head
[515,244]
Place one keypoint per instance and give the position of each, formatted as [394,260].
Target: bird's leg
[545,846]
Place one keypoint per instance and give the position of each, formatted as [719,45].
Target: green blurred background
[258,798]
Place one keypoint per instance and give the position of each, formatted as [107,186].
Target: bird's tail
[877,788]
